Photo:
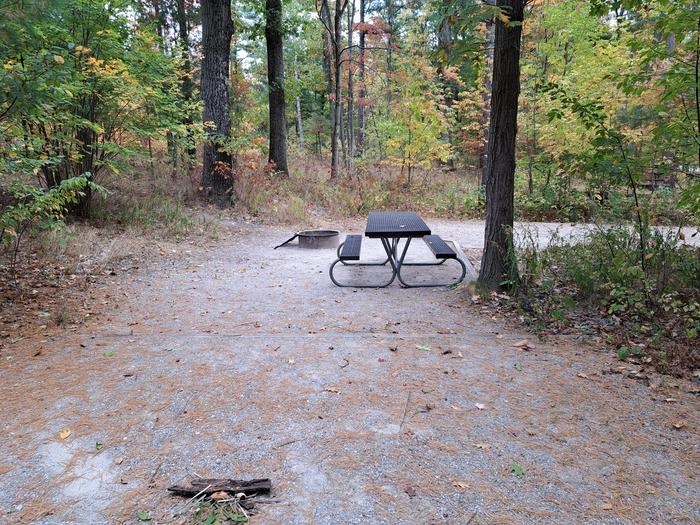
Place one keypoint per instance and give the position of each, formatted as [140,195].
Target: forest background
[373,104]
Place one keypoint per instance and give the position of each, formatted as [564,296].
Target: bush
[651,309]
[33,209]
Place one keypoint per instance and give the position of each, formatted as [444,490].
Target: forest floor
[229,359]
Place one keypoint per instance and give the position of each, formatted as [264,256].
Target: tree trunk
[360,140]
[390,15]
[497,264]
[328,47]
[351,90]
[186,85]
[486,97]
[445,41]
[217,30]
[275,81]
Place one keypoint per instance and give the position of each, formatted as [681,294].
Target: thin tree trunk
[486,97]
[444,37]
[275,81]
[497,264]
[360,141]
[328,47]
[300,123]
[389,56]
[186,85]
[351,89]
[217,30]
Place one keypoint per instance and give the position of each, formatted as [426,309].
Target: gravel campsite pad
[362,406]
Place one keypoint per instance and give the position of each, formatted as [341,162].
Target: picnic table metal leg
[389,259]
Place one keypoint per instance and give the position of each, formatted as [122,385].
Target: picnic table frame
[390,228]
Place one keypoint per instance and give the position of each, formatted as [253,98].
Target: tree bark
[498,264]
[217,30]
[275,80]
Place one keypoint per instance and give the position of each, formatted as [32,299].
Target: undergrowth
[648,313]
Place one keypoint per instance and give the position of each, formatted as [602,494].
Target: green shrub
[34,209]
[600,278]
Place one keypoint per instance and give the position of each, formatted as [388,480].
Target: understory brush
[647,312]
[434,191]
[565,204]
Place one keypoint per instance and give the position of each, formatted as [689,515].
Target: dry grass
[308,189]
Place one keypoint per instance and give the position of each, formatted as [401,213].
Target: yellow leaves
[81,50]
[65,433]
[503,17]
[58,59]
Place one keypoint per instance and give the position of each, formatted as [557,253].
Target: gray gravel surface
[363,406]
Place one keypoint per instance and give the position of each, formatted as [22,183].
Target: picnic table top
[395,224]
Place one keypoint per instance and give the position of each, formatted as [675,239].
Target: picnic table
[391,228]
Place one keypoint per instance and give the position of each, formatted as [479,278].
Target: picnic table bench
[390,228]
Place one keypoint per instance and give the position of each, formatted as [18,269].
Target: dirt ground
[362,406]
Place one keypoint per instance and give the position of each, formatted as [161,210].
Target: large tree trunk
[360,140]
[275,81]
[217,29]
[497,264]
[186,86]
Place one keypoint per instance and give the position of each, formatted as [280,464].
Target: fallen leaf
[517,471]
[518,367]
[582,375]
[681,423]
[524,344]
[108,353]
[331,389]
[291,361]
[410,491]
[143,516]
[63,434]
[218,496]
[606,506]
[98,446]
[381,359]
[482,446]
[460,484]
[670,400]
[4,469]
[424,348]
[480,406]
[119,461]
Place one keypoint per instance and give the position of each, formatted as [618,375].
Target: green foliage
[83,88]
[34,209]
[600,275]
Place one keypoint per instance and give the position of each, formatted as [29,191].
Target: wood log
[207,487]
